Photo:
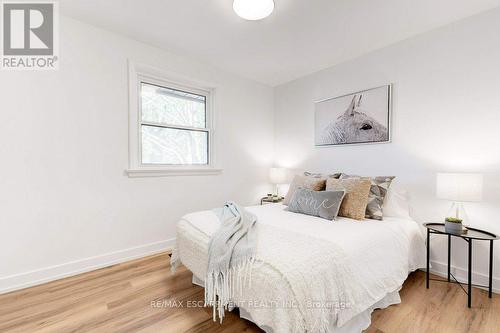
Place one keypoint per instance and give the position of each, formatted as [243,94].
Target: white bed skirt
[358,324]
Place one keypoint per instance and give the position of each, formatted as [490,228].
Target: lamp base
[457,210]
[276,190]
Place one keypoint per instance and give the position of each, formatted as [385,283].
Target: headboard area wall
[445,118]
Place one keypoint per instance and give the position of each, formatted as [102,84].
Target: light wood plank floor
[119,299]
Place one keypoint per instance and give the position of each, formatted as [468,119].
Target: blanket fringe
[222,285]
[174,260]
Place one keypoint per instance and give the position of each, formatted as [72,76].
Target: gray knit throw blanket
[231,252]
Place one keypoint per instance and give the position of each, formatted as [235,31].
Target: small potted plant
[453,225]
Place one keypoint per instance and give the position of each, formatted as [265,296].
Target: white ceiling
[299,38]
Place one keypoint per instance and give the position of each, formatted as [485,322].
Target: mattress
[380,250]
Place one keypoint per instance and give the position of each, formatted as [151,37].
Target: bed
[380,253]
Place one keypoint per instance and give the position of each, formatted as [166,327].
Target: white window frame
[139,73]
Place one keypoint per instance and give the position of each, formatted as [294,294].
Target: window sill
[139,173]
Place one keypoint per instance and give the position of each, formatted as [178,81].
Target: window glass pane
[172,107]
[173,146]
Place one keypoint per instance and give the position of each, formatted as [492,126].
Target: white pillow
[396,203]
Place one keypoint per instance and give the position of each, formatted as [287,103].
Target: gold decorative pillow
[378,191]
[356,197]
[311,183]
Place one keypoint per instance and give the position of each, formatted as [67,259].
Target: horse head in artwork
[353,126]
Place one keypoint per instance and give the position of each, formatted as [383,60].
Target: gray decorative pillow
[320,175]
[325,204]
[378,191]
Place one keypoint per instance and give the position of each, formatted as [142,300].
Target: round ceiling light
[253,9]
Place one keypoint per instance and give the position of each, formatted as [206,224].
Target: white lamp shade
[459,186]
[277,175]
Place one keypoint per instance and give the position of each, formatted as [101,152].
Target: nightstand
[469,235]
[268,200]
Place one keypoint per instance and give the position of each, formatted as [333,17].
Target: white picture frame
[362,117]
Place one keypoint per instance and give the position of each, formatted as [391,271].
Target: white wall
[66,205]
[65,202]
[446,117]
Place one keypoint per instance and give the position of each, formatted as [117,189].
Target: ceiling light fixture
[253,10]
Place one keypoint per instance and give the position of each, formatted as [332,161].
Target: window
[170,126]
[173,126]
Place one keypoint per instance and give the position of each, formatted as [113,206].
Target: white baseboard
[56,272]
[460,273]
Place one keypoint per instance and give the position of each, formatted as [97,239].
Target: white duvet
[379,253]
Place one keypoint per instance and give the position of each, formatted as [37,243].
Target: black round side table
[469,235]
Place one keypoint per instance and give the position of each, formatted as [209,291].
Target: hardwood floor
[134,297]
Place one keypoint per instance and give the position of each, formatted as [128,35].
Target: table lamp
[459,188]
[277,176]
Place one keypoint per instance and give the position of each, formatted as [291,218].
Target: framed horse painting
[358,118]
